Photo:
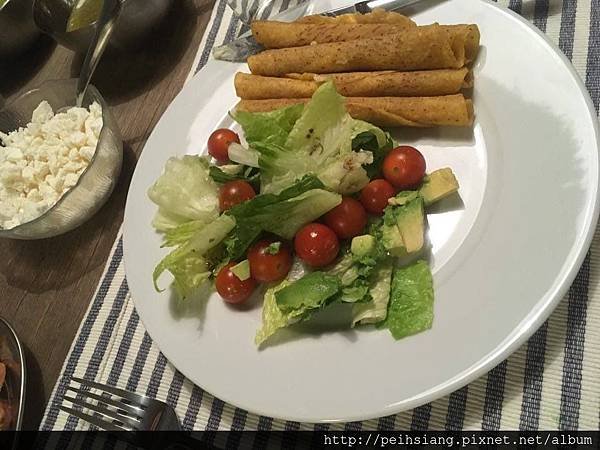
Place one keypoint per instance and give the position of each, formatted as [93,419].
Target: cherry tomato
[316,244]
[404,167]
[269,260]
[374,196]
[218,144]
[348,219]
[231,288]
[235,192]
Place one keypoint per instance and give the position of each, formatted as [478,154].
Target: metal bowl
[13,391]
[98,180]
[136,20]
[17,28]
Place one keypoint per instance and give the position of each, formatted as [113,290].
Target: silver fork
[119,410]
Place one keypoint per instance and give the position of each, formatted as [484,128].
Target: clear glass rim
[93,24]
[95,93]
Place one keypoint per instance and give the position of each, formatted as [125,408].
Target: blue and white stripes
[552,382]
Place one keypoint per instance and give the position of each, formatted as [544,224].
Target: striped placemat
[552,382]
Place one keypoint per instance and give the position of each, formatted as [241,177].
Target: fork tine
[104,411]
[132,397]
[102,424]
[135,411]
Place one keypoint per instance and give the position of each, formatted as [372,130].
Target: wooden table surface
[46,285]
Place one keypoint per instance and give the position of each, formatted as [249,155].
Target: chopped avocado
[411,223]
[232,169]
[437,185]
[392,240]
[309,292]
[362,245]
[242,270]
[403,198]
[273,248]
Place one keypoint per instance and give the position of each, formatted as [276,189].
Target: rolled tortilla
[469,33]
[356,84]
[448,110]
[412,49]
[378,15]
[256,87]
[271,34]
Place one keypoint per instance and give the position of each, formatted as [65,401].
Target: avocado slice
[438,185]
[362,245]
[402,198]
[392,240]
[242,270]
[410,220]
[309,292]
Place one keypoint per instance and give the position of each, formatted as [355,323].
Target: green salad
[321,208]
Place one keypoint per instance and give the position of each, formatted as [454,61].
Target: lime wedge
[83,14]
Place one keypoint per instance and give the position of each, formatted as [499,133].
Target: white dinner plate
[502,261]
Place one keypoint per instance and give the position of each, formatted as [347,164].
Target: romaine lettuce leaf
[189,263]
[379,285]
[272,317]
[410,310]
[371,142]
[184,192]
[357,292]
[294,300]
[270,128]
[243,155]
[346,175]
[232,172]
[287,217]
[182,233]
[321,137]
[282,214]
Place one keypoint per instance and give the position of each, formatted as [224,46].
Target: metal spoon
[12,356]
[104,28]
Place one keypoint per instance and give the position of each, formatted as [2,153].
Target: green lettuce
[191,262]
[269,128]
[410,309]
[295,300]
[272,317]
[184,192]
[308,293]
[243,155]
[316,139]
[379,286]
[182,233]
[371,142]
[232,172]
[282,214]
[355,272]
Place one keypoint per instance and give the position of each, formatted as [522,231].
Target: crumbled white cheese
[41,162]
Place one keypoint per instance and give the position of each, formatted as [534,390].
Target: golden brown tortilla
[379,15]
[467,33]
[431,47]
[356,84]
[448,110]
[271,34]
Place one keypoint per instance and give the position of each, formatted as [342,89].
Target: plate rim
[529,324]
